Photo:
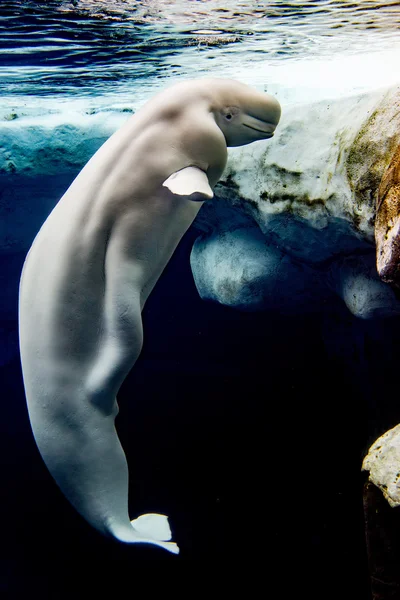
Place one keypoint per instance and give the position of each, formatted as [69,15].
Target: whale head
[243,114]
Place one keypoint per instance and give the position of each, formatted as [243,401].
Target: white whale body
[91,269]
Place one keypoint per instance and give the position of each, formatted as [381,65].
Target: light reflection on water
[94,46]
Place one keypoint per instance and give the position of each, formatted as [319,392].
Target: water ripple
[56,47]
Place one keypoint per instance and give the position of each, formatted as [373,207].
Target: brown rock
[387,224]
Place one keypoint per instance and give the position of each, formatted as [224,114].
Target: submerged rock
[383,464]
[382,523]
[250,273]
[293,219]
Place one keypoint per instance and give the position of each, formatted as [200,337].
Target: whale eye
[229,112]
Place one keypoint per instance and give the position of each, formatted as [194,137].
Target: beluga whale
[91,269]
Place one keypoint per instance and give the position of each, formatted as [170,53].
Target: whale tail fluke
[154,529]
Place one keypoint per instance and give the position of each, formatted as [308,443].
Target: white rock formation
[293,220]
[383,464]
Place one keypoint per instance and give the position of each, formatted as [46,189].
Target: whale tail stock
[72,405]
[88,463]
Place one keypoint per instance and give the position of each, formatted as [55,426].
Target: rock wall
[387,224]
[293,218]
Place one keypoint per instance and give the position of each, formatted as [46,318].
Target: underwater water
[247,429]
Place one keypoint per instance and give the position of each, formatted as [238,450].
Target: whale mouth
[266,133]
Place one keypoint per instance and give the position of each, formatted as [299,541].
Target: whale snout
[264,117]
[273,110]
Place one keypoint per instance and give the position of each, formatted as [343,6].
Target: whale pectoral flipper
[190,181]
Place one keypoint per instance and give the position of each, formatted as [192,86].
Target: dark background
[247,430]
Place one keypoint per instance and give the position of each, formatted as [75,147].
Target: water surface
[94,47]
